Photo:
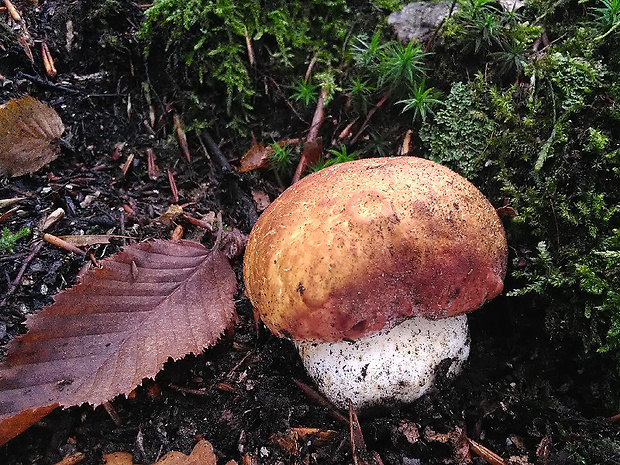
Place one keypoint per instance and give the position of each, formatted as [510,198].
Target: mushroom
[369,267]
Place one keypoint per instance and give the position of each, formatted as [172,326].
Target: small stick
[177,234]
[58,242]
[116,418]
[8,213]
[313,133]
[248,44]
[12,10]
[370,113]
[614,419]
[214,150]
[186,390]
[322,401]
[173,186]
[72,459]
[127,164]
[181,137]
[48,61]
[152,169]
[50,85]
[310,66]
[20,274]
[487,454]
[198,223]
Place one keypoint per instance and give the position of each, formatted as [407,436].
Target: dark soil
[522,395]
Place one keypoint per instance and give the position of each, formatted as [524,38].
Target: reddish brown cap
[366,244]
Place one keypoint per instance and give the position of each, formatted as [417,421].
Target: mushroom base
[396,365]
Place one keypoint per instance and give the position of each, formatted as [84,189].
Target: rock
[511,5]
[418,20]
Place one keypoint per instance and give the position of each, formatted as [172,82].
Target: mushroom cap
[366,244]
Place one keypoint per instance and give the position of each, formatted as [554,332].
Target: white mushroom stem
[396,365]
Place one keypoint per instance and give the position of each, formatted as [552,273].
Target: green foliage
[390,5]
[304,92]
[281,158]
[400,66]
[367,53]
[482,29]
[422,101]
[607,16]
[511,59]
[9,239]
[360,93]
[598,141]
[574,78]
[391,66]
[459,132]
[334,157]
[213,37]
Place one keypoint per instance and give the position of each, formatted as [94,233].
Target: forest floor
[519,395]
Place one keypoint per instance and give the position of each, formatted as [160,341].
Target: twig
[220,229]
[357,439]
[152,168]
[73,459]
[173,186]
[322,401]
[313,133]
[12,10]
[487,454]
[48,61]
[116,418]
[186,390]
[221,161]
[20,274]
[58,242]
[310,67]
[248,44]
[439,26]
[50,85]
[181,137]
[614,419]
[370,113]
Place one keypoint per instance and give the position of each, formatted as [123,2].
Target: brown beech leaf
[153,301]
[256,157]
[12,426]
[29,131]
[202,454]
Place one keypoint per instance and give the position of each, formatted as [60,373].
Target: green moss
[9,239]
[459,133]
[219,39]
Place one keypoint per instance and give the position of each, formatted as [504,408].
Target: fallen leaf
[153,301]
[261,200]
[91,239]
[255,158]
[487,454]
[29,131]
[289,442]
[171,215]
[118,458]
[202,454]
[72,459]
[456,439]
[12,426]
[258,155]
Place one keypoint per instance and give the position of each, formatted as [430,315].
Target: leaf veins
[29,131]
[102,337]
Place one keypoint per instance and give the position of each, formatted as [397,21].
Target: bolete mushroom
[368,266]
